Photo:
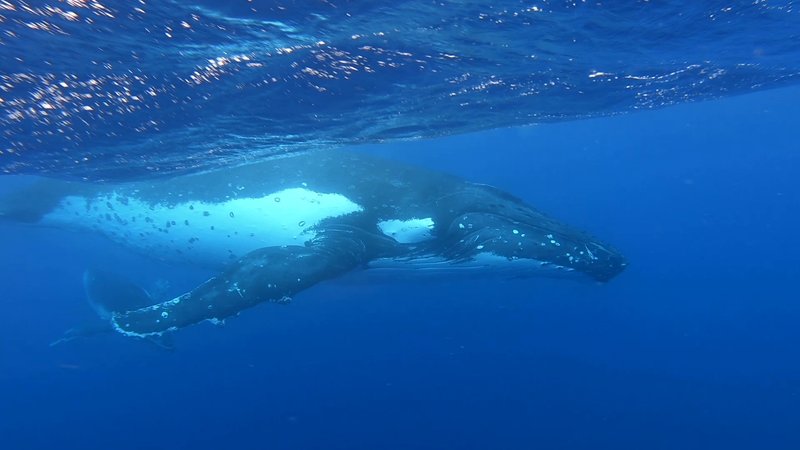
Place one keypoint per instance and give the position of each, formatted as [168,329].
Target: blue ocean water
[694,346]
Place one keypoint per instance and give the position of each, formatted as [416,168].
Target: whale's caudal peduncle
[280,226]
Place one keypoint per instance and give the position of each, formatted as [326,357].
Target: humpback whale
[277,227]
[107,292]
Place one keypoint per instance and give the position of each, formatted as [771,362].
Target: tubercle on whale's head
[535,244]
[577,251]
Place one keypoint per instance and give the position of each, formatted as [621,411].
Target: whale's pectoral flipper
[270,274]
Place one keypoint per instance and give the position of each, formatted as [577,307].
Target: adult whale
[279,226]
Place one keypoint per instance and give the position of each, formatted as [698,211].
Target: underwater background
[694,346]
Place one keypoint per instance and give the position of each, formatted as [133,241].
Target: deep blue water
[694,346]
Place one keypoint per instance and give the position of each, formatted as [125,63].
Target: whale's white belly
[209,234]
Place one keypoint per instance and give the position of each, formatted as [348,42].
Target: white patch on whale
[207,233]
[409,231]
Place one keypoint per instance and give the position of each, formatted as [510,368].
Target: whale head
[533,248]
[500,231]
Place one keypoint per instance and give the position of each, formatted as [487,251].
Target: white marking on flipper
[410,231]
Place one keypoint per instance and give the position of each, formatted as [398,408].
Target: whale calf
[277,227]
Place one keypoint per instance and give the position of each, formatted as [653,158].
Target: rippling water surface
[123,89]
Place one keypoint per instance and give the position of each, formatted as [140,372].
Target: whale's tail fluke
[83,331]
[108,293]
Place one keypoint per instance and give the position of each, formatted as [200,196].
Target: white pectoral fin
[271,274]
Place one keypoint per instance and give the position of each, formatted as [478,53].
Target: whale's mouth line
[545,245]
[486,265]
